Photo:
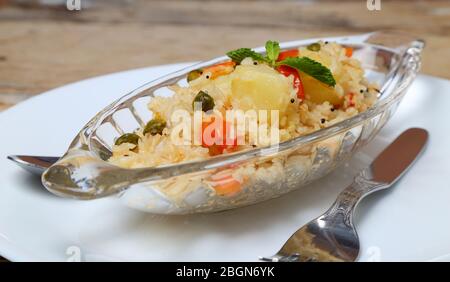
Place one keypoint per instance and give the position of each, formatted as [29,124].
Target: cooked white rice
[300,118]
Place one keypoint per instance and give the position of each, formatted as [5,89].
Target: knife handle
[349,198]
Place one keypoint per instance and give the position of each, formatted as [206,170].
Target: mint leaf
[312,68]
[272,51]
[239,54]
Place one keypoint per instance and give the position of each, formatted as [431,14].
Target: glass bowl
[390,59]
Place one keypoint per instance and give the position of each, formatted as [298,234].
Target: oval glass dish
[392,60]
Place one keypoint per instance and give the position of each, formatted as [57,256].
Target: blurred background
[43,44]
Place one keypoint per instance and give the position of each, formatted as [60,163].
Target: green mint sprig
[272,52]
[240,54]
[311,68]
[303,64]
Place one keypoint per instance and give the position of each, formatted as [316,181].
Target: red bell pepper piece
[351,103]
[288,54]
[287,71]
[298,85]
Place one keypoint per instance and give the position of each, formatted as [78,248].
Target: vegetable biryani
[310,88]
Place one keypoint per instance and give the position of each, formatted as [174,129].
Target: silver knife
[332,236]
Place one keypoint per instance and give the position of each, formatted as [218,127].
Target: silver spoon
[34,164]
[332,236]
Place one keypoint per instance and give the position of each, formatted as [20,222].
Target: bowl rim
[323,133]
[400,77]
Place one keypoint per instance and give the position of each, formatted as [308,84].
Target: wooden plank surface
[46,46]
[42,47]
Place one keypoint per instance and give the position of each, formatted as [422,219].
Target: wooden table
[42,47]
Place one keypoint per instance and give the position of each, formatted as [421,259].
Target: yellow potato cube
[318,92]
[260,88]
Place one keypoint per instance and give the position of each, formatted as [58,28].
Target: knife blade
[395,159]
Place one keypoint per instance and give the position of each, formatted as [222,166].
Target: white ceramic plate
[408,222]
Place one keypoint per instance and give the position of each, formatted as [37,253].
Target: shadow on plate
[32,183]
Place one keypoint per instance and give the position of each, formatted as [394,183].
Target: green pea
[155,126]
[194,75]
[206,100]
[314,47]
[128,138]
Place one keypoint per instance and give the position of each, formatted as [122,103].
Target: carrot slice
[227,187]
[220,138]
[220,69]
[348,51]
